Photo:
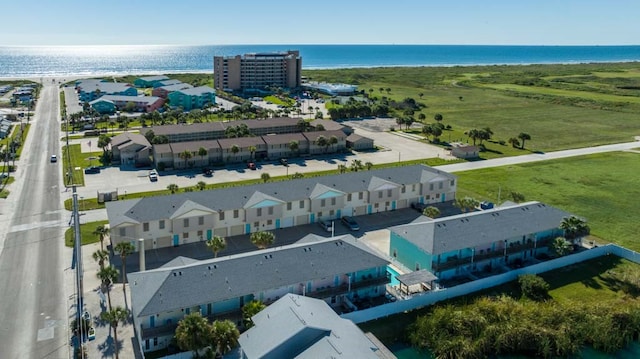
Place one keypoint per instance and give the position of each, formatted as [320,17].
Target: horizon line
[329,44]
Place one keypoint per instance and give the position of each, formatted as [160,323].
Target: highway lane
[34,261]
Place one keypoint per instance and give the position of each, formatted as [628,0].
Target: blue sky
[212,22]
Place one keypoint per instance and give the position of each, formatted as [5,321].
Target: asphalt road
[34,261]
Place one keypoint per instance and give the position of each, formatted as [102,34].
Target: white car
[153,175]
[54,158]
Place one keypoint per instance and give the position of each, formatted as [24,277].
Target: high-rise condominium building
[257,71]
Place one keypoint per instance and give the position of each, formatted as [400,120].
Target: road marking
[48,332]
[30,226]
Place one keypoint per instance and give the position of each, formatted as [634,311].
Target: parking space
[71,100]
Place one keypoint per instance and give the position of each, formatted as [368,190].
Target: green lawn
[79,161]
[565,93]
[86,233]
[602,188]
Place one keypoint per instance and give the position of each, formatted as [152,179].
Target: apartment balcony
[344,288]
[159,331]
[512,248]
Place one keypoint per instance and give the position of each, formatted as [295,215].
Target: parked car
[284,162]
[350,223]
[92,333]
[207,172]
[251,165]
[92,170]
[153,175]
[419,206]
[326,225]
[54,158]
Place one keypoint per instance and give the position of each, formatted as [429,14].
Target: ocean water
[60,61]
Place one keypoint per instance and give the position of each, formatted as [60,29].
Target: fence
[430,298]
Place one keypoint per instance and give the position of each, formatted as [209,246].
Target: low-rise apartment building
[89,90]
[173,220]
[165,90]
[112,103]
[150,81]
[481,240]
[192,98]
[334,270]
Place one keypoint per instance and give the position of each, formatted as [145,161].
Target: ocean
[60,61]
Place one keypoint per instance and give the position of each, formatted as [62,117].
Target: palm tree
[224,335]
[235,149]
[431,212]
[102,232]
[560,246]
[342,168]
[523,136]
[294,146]
[474,134]
[333,140]
[574,228]
[262,239]
[114,317]
[514,142]
[265,177]
[252,150]
[202,152]
[369,165]
[173,188]
[100,256]
[201,185]
[216,244]
[249,310]
[438,117]
[124,249]
[356,165]
[193,333]
[322,141]
[108,275]
[185,155]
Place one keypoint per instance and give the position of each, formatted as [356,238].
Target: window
[403,190]
[200,235]
[145,227]
[331,213]
[440,185]
[256,224]
[319,215]
[155,342]
[269,222]
[388,193]
[360,195]
[430,186]
[302,204]
[185,235]
[453,182]
[161,224]
[379,194]
[413,188]
[333,201]
[349,197]
[270,210]
[200,220]
[185,222]
[259,212]
[288,206]
[122,232]
[221,215]
[236,213]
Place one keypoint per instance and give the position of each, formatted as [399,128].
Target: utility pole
[79,270]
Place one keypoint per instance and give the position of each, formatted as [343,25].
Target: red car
[251,166]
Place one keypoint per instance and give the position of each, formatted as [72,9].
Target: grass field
[561,106]
[86,233]
[602,188]
[79,161]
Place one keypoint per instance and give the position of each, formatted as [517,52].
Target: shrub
[533,287]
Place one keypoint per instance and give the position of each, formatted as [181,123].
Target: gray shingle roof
[162,207]
[129,137]
[221,126]
[138,99]
[154,78]
[469,230]
[284,138]
[303,327]
[197,91]
[214,280]
[175,87]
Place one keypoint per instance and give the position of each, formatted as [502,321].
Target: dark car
[419,206]
[92,170]
[207,172]
[326,225]
[251,165]
[350,223]
[284,162]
